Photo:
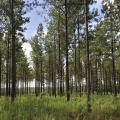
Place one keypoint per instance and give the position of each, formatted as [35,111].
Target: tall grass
[50,108]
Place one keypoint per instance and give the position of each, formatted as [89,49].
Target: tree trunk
[7,68]
[49,76]
[36,77]
[113,68]
[54,67]
[75,66]
[66,39]
[87,52]
[41,78]
[0,71]
[13,94]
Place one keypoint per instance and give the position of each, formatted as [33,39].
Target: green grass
[50,108]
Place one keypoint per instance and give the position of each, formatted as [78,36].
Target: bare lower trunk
[88,61]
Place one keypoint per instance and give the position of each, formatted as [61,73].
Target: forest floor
[105,107]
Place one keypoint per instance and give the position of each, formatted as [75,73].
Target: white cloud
[27,50]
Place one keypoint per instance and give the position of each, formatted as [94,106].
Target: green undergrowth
[51,108]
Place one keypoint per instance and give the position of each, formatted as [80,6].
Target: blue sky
[35,20]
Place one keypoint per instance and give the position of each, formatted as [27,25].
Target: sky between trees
[36,18]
